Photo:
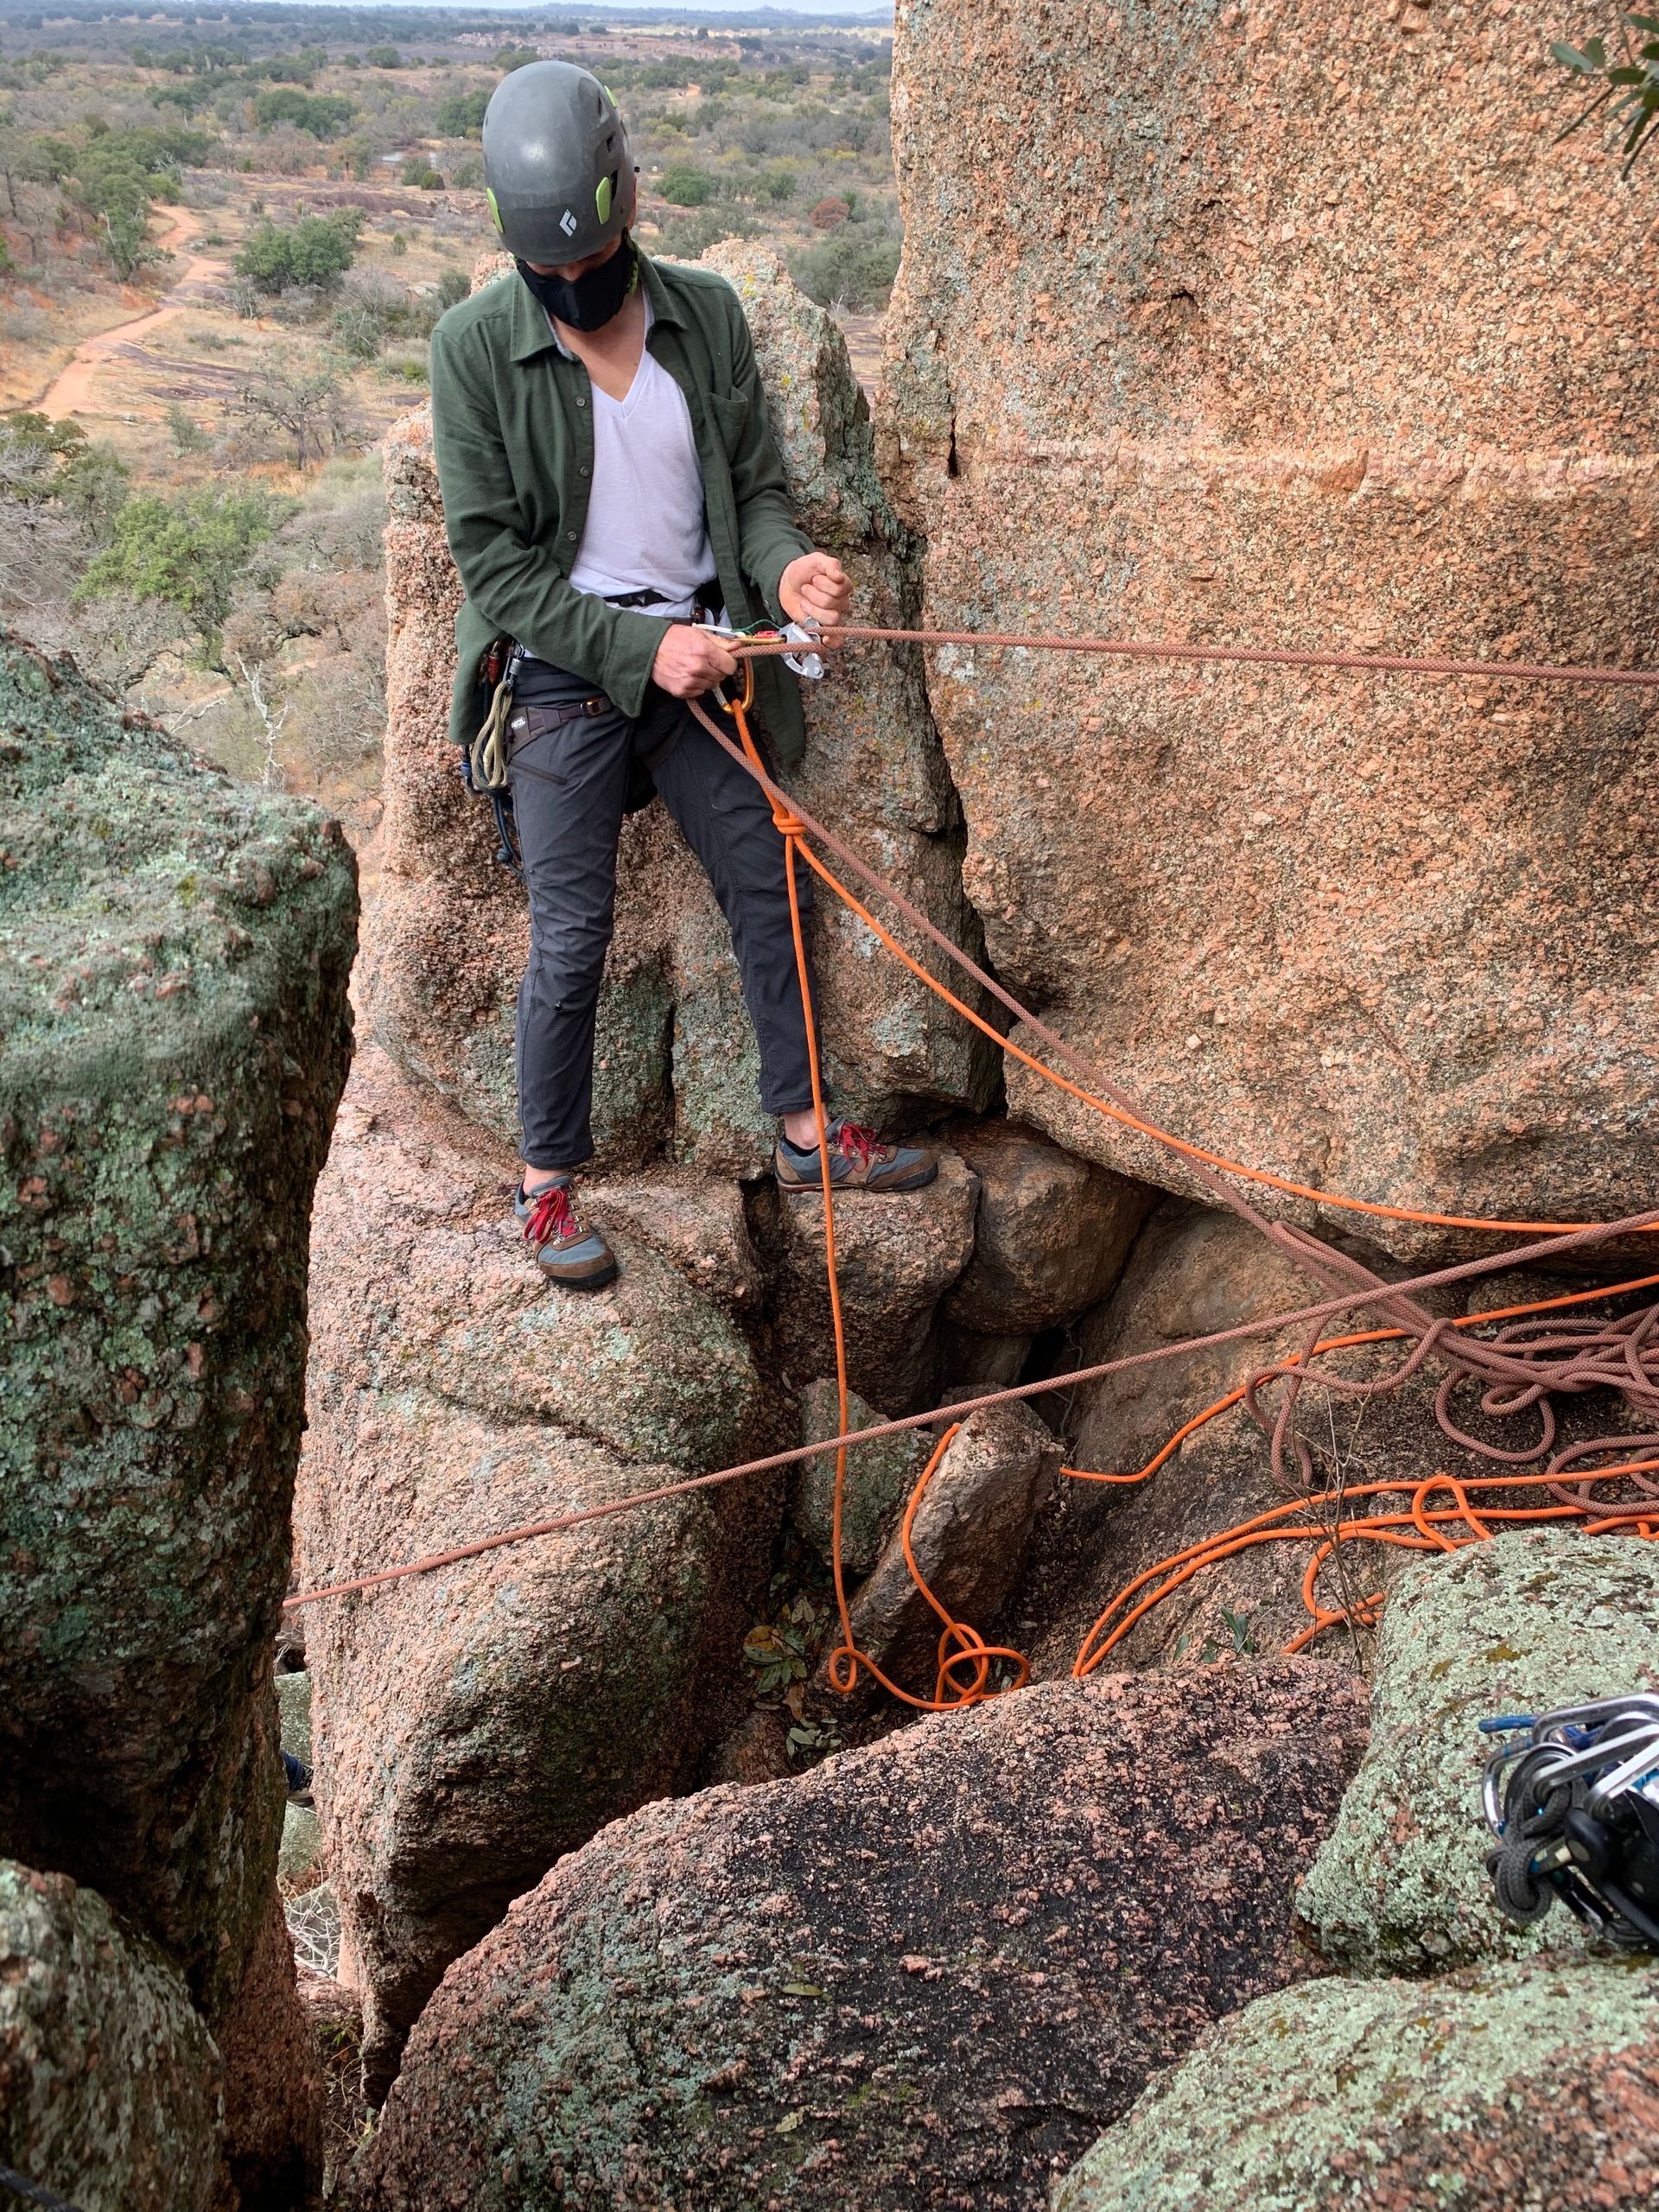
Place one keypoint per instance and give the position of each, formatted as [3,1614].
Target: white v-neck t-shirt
[646,527]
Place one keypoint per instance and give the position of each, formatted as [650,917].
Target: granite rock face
[675,1063]
[879,1478]
[473,1724]
[1528,1621]
[1524,2084]
[1263,325]
[1052,1232]
[109,2086]
[174,955]
[923,1973]
[898,1253]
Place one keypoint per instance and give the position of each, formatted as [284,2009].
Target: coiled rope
[1516,1371]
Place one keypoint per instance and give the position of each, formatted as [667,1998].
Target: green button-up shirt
[513,426]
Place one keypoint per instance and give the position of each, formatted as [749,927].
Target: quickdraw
[1574,1805]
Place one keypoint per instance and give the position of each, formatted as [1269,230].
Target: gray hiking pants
[570,779]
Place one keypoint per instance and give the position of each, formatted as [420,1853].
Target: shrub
[853,268]
[468,175]
[687,187]
[695,234]
[321,115]
[777,184]
[829,214]
[453,286]
[317,250]
[191,552]
[510,58]
[419,172]
[461,114]
[383,57]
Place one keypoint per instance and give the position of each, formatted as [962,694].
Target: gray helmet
[556,163]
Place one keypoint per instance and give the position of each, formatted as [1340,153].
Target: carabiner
[745,698]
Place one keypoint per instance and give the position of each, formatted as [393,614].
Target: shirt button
[584,472]
[582,399]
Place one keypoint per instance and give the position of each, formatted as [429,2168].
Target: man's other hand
[690,660]
[815,588]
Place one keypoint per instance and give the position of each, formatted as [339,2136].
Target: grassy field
[224,240]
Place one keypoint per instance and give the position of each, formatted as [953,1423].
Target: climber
[611,489]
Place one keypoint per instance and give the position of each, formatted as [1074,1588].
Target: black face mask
[592,300]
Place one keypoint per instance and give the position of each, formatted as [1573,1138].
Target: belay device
[1575,1808]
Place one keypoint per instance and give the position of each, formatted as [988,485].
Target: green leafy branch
[1629,88]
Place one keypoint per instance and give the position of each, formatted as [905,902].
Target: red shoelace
[859,1144]
[551,1215]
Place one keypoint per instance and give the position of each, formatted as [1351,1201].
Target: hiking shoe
[299,1779]
[859,1161]
[568,1250]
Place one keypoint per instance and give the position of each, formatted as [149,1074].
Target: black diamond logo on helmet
[567,224]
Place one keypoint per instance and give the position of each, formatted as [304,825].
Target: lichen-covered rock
[968,1541]
[676,1067]
[174,953]
[109,2086]
[1052,1232]
[924,1974]
[1524,1623]
[1503,2089]
[879,1478]
[1148,375]
[473,1724]
[294,1714]
[695,1220]
[897,1254]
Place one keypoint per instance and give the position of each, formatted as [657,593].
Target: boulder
[879,1478]
[173,952]
[1529,2082]
[925,1972]
[294,1714]
[1053,1234]
[173,955]
[969,1541]
[1148,375]
[696,1221]
[471,1724]
[109,2085]
[1524,1623]
[675,1063]
[898,1253]
[336,2017]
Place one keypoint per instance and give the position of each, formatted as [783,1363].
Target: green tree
[383,57]
[687,187]
[461,115]
[322,115]
[317,250]
[190,552]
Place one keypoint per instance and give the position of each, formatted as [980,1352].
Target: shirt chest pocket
[729,412]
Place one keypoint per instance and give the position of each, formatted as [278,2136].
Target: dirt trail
[70,391]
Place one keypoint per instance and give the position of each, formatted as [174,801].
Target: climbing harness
[1574,1801]
[1519,1368]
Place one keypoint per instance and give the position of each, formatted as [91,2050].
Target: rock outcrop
[109,2085]
[471,1724]
[924,1973]
[1282,328]
[879,1478]
[968,1541]
[1531,2083]
[897,1255]
[675,1065]
[174,954]
[1528,1621]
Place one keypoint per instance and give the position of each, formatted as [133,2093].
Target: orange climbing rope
[1514,1377]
